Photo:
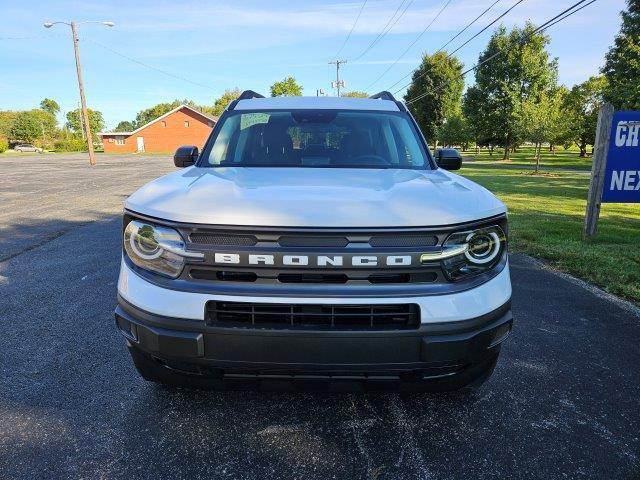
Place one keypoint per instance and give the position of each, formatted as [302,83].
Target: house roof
[179,107]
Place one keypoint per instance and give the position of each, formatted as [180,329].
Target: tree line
[40,127]
[516,98]
[287,87]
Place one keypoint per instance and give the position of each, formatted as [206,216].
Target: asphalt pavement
[564,401]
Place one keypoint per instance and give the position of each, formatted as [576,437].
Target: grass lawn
[525,158]
[546,215]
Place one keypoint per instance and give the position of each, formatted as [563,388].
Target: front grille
[202,238]
[309,241]
[300,316]
[403,241]
[240,243]
[381,278]
[313,278]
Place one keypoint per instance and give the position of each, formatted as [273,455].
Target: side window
[407,143]
[220,148]
[186,123]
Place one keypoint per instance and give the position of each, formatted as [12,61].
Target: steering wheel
[369,158]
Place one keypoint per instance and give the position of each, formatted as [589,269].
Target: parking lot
[564,401]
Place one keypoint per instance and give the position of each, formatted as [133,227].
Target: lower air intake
[333,317]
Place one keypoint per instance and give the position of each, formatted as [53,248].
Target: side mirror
[185,156]
[449,159]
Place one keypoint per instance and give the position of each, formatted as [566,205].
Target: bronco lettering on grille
[314,260]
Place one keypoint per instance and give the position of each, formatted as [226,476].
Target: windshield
[316,138]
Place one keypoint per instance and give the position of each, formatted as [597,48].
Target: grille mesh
[216,239]
[345,317]
[313,241]
[403,241]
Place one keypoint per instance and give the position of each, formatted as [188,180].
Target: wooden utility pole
[83,102]
[600,151]
[338,83]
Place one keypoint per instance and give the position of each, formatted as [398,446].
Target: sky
[205,47]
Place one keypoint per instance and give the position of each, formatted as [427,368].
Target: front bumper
[433,351]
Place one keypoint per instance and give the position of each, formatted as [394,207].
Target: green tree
[356,94]
[36,126]
[148,114]
[622,64]
[539,119]
[581,106]
[439,82]
[96,122]
[225,99]
[522,72]
[7,119]
[456,132]
[287,87]
[125,126]
[49,105]
[33,126]
[479,119]
[563,127]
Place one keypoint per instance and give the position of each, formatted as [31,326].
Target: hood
[315,197]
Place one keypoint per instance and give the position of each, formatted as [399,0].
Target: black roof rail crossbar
[246,95]
[384,95]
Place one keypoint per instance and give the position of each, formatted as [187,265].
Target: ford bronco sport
[315,241]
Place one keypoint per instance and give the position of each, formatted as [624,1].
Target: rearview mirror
[185,156]
[449,159]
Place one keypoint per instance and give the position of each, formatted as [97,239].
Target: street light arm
[51,24]
[105,23]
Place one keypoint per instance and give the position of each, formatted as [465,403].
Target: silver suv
[27,147]
[315,240]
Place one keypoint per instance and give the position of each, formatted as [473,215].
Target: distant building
[181,126]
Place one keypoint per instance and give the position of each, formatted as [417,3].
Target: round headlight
[145,243]
[480,251]
[483,246]
[154,248]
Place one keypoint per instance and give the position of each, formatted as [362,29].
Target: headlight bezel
[488,253]
[155,248]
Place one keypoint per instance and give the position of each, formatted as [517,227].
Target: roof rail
[246,95]
[384,95]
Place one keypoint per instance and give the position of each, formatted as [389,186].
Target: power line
[487,27]
[468,25]
[549,23]
[352,28]
[446,4]
[387,28]
[164,72]
[568,15]
[499,17]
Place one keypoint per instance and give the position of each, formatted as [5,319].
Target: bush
[70,145]
[3,145]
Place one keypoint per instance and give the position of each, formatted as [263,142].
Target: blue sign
[622,172]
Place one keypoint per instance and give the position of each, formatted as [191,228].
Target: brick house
[181,126]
